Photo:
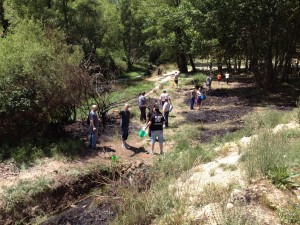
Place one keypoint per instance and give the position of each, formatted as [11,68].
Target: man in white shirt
[164,97]
[166,110]
[227,77]
[176,76]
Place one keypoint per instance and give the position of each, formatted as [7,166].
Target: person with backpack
[93,127]
[199,98]
[156,122]
[142,106]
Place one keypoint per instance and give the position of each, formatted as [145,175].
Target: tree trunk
[182,62]
[192,63]
[181,52]
[4,22]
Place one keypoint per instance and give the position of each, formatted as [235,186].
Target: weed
[230,167]
[24,191]
[282,178]
[290,215]
[212,172]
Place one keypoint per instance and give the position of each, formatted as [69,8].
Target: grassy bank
[275,156]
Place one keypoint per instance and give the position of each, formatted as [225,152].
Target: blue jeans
[192,102]
[93,138]
[166,115]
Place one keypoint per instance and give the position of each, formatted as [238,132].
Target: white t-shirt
[164,96]
[166,106]
[226,75]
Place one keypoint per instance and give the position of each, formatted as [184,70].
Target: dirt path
[221,113]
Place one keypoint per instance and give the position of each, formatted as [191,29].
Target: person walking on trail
[125,119]
[166,111]
[176,76]
[164,97]
[208,81]
[142,106]
[94,127]
[149,115]
[156,122]
[227,77]
[193,98]
[219,77]
[199,100]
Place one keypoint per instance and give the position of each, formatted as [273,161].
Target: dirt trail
[221,113]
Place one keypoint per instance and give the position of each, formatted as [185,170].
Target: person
[142,106]
[166,111]
[94,127]
[164,97]
[156,122]
[227,77]
[208,81]
[176,76]
[193,98]
[210,66]
[219,77]
[149,115]
[159,71]
[199,98]
[125,119]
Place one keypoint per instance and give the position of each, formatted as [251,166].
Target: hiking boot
[150,152]
[123,146]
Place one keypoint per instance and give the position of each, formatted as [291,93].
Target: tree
[35,67]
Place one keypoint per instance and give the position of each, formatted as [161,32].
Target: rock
[209,214]
[229,205]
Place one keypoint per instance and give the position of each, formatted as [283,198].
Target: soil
[222,112]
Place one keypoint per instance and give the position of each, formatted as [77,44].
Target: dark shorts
[198,100]
[176,81]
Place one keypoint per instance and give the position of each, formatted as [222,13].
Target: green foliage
[35,71]
[27,153]
[264,120]
[282,178]
[290,215]
[24,191]
[196,79]
[274,155]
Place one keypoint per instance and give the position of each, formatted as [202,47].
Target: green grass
[27,153]
[24,191]
[158,201]
[195,79]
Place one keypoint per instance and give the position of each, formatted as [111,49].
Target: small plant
[212,172]
[290,215]
[281,177]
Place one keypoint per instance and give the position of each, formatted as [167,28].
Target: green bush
[265,120]
[282,178]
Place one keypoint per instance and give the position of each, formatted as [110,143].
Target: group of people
[219,78]
[155,120]
[197,95]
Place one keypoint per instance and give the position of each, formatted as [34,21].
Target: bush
[35,71]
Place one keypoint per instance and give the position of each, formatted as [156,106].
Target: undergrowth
[27,153]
